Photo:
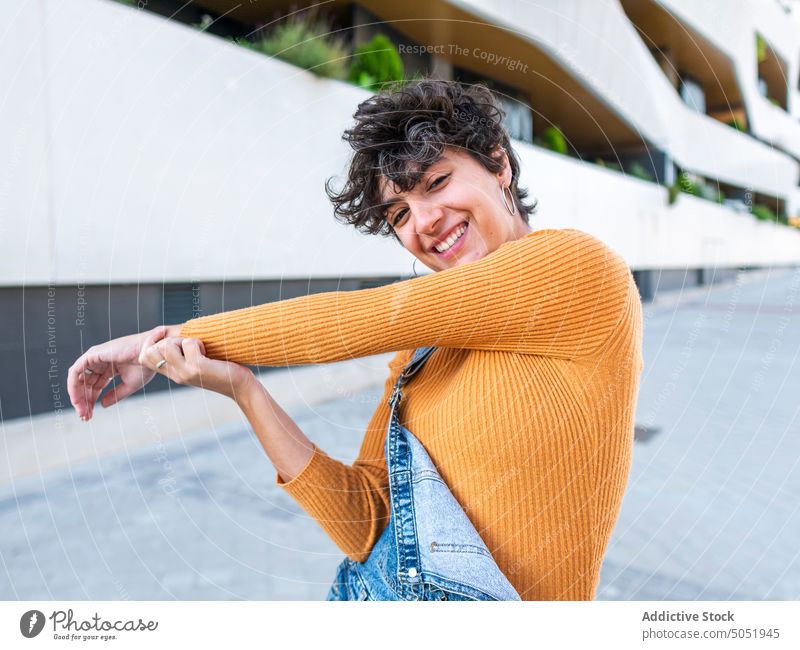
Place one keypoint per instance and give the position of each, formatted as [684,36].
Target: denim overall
[429,550]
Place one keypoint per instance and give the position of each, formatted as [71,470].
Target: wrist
[173,330]
[170,330]
[249,391]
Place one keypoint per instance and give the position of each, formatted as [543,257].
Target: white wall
[634,217]
[172,155]
[145,151]
[26,173]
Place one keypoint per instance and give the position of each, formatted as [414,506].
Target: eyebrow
[387,205]
[390,202]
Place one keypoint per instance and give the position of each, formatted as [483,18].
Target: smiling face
[458,202]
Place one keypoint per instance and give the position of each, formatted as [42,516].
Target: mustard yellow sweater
[527,407]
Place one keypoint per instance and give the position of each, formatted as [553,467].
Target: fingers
[194,353]
[93,392]
[172,351]
[104,362]
[118,393]
[95,367]
[169,350]
[85,389]
[76,385]
[193,350]
[153,351]
[81,386]
[99,376]
[152,338]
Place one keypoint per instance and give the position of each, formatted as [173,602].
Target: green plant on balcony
[205,22]
[306,42]
[552,138]
[672,193]
[376,63]
[638,170]
[731,120]
[761,48]
[607,164]
[764,213]
[688,184]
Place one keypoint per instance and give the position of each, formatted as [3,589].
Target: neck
[522,229]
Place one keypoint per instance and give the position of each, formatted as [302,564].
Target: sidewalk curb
[668,300]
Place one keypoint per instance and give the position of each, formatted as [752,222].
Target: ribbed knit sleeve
[351,503]
[552,292]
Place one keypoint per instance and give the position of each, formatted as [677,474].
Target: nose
[427,218]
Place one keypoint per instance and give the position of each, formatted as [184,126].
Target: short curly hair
[403,130]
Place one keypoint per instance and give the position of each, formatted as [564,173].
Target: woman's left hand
[186,363]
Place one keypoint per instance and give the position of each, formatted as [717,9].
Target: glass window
[692,94]
[516,103]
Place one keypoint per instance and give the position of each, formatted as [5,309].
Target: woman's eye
[398,217]
[400,214]
[438,180]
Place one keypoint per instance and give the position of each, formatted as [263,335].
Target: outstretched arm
[553,292]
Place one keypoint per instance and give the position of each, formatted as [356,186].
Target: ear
[504,175]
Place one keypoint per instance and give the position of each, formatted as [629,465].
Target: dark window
[180,303]
[515,103]
[371,283]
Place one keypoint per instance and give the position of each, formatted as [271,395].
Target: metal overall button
[409,576]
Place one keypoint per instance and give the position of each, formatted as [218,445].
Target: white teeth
[441,248]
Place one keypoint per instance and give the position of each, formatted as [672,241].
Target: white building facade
[153,171]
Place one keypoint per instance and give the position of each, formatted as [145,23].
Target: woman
[531,342]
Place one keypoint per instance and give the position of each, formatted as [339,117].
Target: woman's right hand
[116,357]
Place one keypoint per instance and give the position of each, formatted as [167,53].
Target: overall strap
[398,459]
[412,367]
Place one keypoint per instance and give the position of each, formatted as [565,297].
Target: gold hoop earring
[503,189]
